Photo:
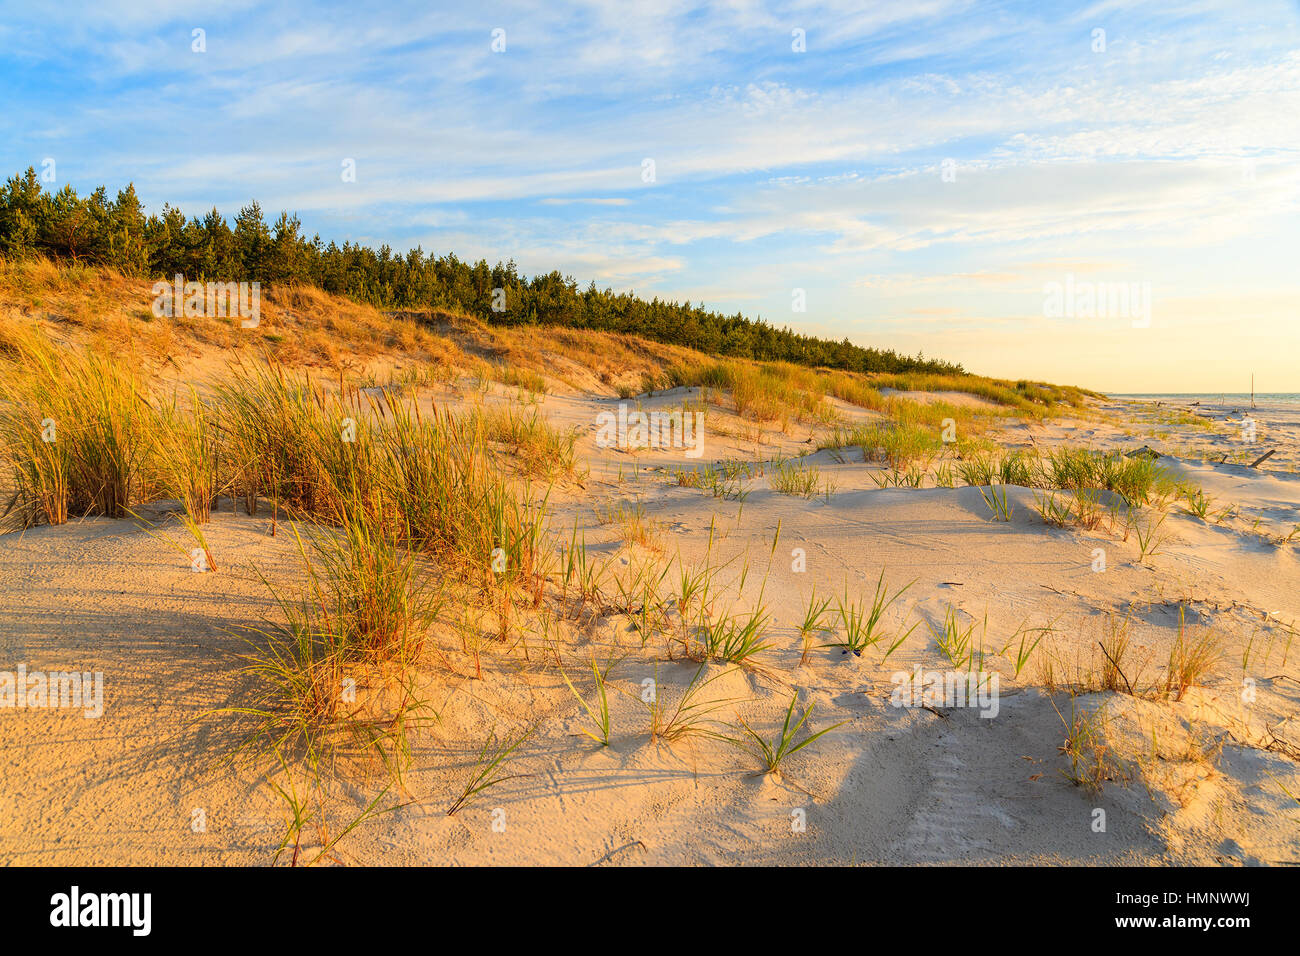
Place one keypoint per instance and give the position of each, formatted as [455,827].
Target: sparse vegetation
[802,480]
[957,643]
[689,716]
[598,712]
[860,622]
[1190,659]
[813,617]
[995,496]
[489,768]
[1147,531]
[1093,762]
[772,754]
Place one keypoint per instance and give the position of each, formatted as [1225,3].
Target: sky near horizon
[954,177]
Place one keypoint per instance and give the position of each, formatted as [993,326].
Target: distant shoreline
[1214,398]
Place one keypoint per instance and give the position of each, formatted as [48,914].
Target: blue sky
[1170,157]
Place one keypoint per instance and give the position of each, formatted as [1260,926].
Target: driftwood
[1146,451]
[1266,455]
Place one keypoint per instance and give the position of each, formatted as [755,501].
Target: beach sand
[1202,780]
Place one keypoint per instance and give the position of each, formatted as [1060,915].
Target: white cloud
[770,164]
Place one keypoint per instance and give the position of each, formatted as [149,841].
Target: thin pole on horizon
[1252,389]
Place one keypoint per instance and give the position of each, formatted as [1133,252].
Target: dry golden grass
[305,327]
[298,325]
[302,326]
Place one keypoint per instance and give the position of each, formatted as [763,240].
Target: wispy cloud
[896,161]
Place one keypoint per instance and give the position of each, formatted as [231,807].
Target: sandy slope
[890,785]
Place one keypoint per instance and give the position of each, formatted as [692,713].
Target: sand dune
[1198,780]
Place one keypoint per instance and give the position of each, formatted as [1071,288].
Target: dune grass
[1190,659]
[772,754]
[734,638]
[861,621]
[995,497]
[491,766]
[689,716]
[813,622]
[634,526]
[78,435]
[597,711]
[898,445]
[387,504]
[957,643]
[802,480]
[362,615]
[1093,761]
